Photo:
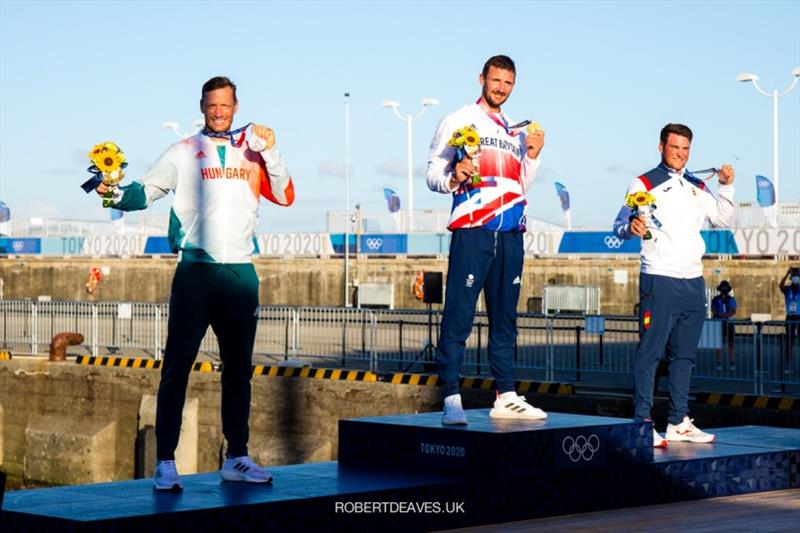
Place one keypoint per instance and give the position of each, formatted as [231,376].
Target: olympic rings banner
[741,242]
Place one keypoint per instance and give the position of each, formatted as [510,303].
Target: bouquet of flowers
[108,162]
[467,144]
[643,204]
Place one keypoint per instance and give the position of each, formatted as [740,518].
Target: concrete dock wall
[319,281]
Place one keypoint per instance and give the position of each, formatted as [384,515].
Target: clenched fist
[726,175]
[534,142]
[265,135]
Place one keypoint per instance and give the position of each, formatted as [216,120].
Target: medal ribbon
[500,121]
[229,134]
[710,171]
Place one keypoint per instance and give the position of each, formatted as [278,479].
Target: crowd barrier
[751,356]
[742,242]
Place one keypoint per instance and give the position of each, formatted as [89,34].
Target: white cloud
[621,168]
[398,169]
[333,169]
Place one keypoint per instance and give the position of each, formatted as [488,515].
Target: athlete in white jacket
[217,176]
[671,287]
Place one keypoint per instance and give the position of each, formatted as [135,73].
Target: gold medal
[534,126]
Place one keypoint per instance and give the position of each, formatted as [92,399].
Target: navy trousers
[224,296]
[492,261]
[671,316]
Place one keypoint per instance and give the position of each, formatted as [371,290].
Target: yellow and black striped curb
[5,356]
[314,373]
[134,362]
[744,400]
[432,380]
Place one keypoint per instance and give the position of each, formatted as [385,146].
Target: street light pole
[750,77]
[346,199]
[394,105]
[409,158]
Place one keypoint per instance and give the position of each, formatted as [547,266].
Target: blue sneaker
[166,477]
[244,469]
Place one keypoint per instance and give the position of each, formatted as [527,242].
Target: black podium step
[394,474]
[488,447]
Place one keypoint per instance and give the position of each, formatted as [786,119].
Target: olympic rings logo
[612,242]
[580,447]
[17,245]
[374,244]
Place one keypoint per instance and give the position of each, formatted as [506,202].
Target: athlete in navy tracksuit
[487,221]
[671,287]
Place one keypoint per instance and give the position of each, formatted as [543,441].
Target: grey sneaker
[244,469]
[166,477]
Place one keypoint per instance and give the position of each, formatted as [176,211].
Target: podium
[409,472]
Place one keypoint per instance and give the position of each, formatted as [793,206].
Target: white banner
[131,244]
[538,242]
[295,244]
[778,241]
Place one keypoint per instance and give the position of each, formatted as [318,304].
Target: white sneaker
[244,469]
[510,405]
[687,432]
[166,477]
[658,442]
[453,411]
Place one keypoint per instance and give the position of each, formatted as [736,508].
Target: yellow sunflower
[109,161]
[456,141]
[107,156]
[471,137]
[98,149]
[640,199]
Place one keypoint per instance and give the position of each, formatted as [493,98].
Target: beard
[491,100]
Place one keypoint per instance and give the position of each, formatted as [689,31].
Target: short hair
[677,129]
[501,62]
[218,82]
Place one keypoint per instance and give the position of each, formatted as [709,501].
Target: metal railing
[747,355]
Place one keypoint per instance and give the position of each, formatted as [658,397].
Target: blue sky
[601,77]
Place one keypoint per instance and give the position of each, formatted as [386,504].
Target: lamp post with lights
[750,77]
[394,105]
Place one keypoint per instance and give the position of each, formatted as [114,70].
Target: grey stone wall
[63,423]
[318,281]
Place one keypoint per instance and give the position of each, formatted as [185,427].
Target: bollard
[58,346]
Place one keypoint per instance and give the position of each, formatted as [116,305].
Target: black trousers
[224,296]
